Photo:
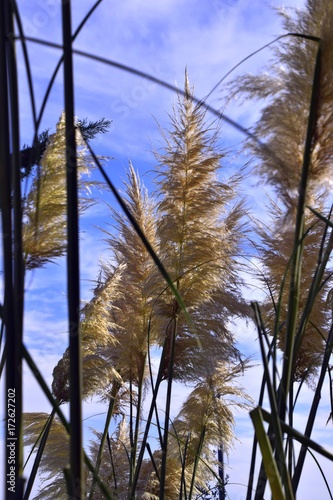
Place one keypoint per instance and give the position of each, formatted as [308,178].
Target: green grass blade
[270,465]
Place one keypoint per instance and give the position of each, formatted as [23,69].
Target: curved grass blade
[153,79]
[308,37]
[323,475]
[37,120]
[26,62]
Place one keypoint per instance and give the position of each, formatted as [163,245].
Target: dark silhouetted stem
[12,250]
[73,277]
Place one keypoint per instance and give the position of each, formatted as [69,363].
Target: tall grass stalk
[73,265]
[12,250]
[285,391]
[296,267]
[269,461]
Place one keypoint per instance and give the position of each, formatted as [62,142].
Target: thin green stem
[196,461]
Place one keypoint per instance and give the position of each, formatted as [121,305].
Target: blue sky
[161,38]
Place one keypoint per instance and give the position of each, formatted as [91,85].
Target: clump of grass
[297,134]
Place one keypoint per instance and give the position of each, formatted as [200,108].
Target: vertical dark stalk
[16,179]
[222,492]
[73,277]
[18,275]
[167,408]
[12,265]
